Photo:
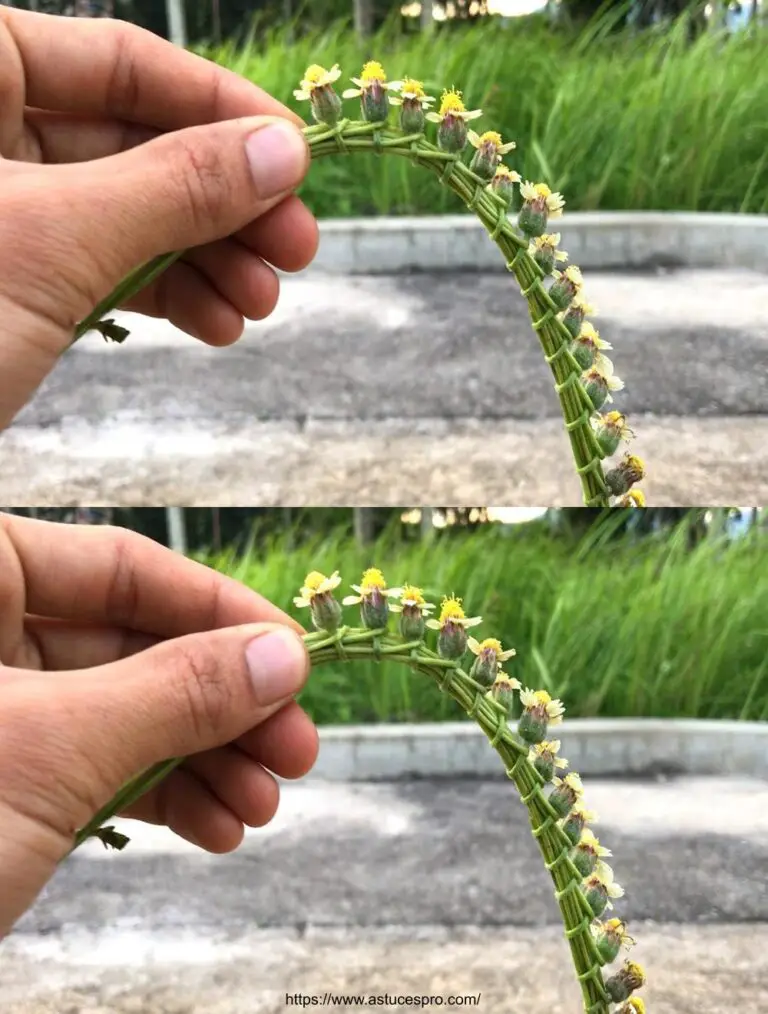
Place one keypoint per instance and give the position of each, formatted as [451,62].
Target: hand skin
[117,146]
[115,654]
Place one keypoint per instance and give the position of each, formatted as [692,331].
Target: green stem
[347,644]
[349,137]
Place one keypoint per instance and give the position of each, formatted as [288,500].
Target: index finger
[101,67]
[99,574]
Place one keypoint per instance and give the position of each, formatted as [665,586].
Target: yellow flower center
[313,580]
[504,171]
[635,463]
[542,697]
[413,88]
[315,74]
[373,578]
[614,418]
[491,137]
[637,497]
[616,925]
[490,644]
[451,610]
[635,970]
[373,71]
[543,190]
[413,595]
[636,1004]
[451,102]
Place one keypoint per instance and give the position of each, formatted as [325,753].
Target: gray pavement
[429,887]
[362,389]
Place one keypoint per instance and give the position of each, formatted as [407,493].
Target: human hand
[115,654]
[118,147]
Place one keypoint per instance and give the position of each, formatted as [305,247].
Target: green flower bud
[596,386]
[584,862]
[412,623]
[452,134]
[597,896]
[412,119]
[567,791]
[574,316]
[374,102]
[452,640]
[566,286]
[610,938]
[611,429]
[532,220]
[532,727]
[503,691]
[326,105]
[584,353]
[326,612]
[503,184]
[374,610]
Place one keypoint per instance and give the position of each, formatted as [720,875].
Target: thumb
[184,696]
[185,188]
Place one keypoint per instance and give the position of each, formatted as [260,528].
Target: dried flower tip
[630,470]
[635,498]
[625,981]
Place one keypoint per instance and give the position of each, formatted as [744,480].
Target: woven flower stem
[352,136]
[353,644]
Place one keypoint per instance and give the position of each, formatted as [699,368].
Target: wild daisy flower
[566,285]
[539,205]
[539,712]
[503,184]
[610,429]
[587,346]
[452,118]
[317,594]
[412,608]
[503,690]
[489,658]
[586,855]
[544,251]
[372,88]
[489,153]
[566,792]
[599,381]
[544,758]
[372,595]
[610,937]
[452,624]
[600,888]
[413,104]
[317,87]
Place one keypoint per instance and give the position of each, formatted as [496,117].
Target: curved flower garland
[584,883]
[573,348]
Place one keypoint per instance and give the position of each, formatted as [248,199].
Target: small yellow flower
[452,104]
[591,336]
[548,750]
[490,644]
[315,584]
[316,77]
[492,139]
[410,90]
[572,782]
[589,842]
[634,498]
[372,581]
[618,928]
[411,597]
[372,75]
[603,371]
[580,812]
[539,193]
[504,679]
[633,1006]
[580,305]
[603,877]
[548,243]
[540,700]
[452,611]
[618,421]
[504,172]
[572,275]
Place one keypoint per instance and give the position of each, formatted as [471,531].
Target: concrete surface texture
[428,887]
[415,389]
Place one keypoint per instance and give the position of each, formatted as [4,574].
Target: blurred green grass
[623,628]
[620,121]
